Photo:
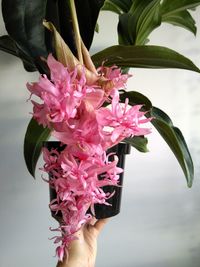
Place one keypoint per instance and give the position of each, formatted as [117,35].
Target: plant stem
[76,30]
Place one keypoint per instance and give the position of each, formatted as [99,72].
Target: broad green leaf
[143,57]
[142,18]
[176,13]
[126,29]
[8,45]
[97,28]
[149,19]
[169,7]
[174,138]
[35,135]
[136,98]
[138,142]
[87,12]
[117,6]
[28,63]
[186,162]
[182,19]
[171,134]
[23,21]
[25,27]
[111,6]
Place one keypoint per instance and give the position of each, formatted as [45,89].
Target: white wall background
[159,224]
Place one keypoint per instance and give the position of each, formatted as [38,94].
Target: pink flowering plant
[71,106]
[82,101]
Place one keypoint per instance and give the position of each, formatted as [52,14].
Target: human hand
[82,252]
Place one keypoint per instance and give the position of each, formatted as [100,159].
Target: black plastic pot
[101,210]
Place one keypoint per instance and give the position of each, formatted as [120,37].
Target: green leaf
[143,57]
[111,6]
[174,138]
[175,12]
[88,12]
[149,19]
[117,6]
[169,7]
[97,28]
[8,45]
[136,98]
[23,21]
[171,134]
[136,25]
[35,135]
[28,63]
[182,19]
[138,142]
[126,29]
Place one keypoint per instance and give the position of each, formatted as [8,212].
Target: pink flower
[60,251]
[65,241]
[112,78]
[83,134]
[62,95]
[78,188]
[123,120]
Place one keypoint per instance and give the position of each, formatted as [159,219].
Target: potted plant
[54,37]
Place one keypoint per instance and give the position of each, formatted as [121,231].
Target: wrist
[71,263]
[74,263]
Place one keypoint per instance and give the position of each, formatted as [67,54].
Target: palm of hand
[83,251]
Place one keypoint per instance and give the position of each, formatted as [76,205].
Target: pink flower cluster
[73,109]
[77,189]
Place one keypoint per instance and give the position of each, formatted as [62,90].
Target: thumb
[100,224]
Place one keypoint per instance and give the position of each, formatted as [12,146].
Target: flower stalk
[77,35]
